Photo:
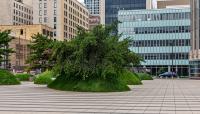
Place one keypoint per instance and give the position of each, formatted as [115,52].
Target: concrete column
[169,68]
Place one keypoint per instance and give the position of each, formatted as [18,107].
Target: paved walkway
[154,97]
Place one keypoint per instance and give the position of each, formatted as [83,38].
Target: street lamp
[172,57]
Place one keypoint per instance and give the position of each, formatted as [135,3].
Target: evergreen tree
[5,51]
[41,49]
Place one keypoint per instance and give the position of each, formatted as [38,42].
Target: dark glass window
[113,6]
[154,43]
[154,30]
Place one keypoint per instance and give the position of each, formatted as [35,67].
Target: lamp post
[172,56]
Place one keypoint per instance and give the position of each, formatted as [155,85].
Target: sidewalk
[160,96]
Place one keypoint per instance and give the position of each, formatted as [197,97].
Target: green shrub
[145,76]
[88,85]
[130,78]
[44,78]
[23,77]
[7,78]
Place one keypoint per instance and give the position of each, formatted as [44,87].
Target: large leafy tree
[5,51]
[41,49]
[95,54]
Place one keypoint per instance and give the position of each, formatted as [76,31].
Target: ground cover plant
[44,78]
[145,76]
[7,78]
[130,78]
[23,77]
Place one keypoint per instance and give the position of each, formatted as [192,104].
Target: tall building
[63,15]
[160,36]
[109,8]
[195,40]
[15,12]
[93,6]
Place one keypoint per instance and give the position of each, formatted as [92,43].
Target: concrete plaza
[153,97]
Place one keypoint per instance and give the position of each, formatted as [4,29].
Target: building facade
[22,35]
[195,40]
[63,15]
[15,12]
[94,21]
[161,4]
[94,9]
[93,6]
[109,8]
[160,36]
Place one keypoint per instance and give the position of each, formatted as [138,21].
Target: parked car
[168,75]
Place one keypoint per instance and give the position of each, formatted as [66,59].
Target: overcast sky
[81,1]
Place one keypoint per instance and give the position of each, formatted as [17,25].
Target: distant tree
[41,49]
[5,51]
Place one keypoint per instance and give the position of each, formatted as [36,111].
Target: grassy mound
[7,78]
[145,76]
[23,77]
[44,78]
[130,78]
[89,85]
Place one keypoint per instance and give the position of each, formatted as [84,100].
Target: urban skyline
[100,56]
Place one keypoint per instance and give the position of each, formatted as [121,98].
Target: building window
[40,5]
[55,19]
[21,32]
[55,12]
[55,5]
[45,19]
[45,5]
[45,12]
[40,19]
[40,12]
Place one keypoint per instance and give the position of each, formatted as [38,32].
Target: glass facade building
[195,40]
[113,6]
[160,36]
[93,6]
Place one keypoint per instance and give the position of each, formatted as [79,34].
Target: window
[55,12]
[40,12]
[55,19]
[40,19]
[45,19]
[45,12]
[40,5]
[45,5]
[21,32]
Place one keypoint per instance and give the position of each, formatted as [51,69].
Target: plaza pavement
[153,97]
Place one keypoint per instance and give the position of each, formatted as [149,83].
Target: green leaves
[95,54]
[41,52]
[4,45]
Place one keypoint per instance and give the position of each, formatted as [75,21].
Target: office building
[63,15]
[109,8]
[195,40]
[22,35]
[15,12]
[160,36]
[93,6]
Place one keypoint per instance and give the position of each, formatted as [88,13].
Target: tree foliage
[41,51]
[5,51]
[95,54]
